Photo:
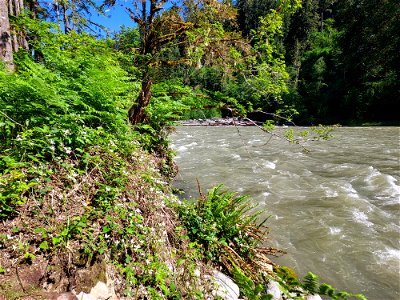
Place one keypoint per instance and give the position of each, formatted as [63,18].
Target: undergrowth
[221,223]
[80,188]
[78,185]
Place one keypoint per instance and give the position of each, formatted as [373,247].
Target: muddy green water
[335,210]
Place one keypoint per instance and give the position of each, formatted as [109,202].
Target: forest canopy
[308,61]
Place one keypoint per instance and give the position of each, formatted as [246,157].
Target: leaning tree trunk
[137,113]
[6,54]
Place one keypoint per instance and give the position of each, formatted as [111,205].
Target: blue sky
[116,17]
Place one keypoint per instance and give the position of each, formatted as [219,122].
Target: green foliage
[201,114]
[75,97]
[251,11]
[318,81]
[264,80]
[288,276]
[220,219]
[370,57]
[311,284]
[12,187]
[171,99]
[248,287]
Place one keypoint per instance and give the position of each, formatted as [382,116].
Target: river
[335,210]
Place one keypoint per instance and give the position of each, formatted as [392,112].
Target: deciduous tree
[158,27]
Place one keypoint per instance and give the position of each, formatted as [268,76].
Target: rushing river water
[335,210]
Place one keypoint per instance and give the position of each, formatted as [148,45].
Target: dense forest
[307,61]
[85,165]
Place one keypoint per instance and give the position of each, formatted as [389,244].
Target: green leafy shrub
[12,189]
[220,219]
[311,284]
[250,289]
[56,107]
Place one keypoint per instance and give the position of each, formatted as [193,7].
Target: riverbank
[217,122]
[103,228]
[112,229]
[107,226]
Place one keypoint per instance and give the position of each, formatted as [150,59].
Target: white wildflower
[196,272]
[67,150]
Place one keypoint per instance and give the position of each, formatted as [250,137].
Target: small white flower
[67,150]
[196,272]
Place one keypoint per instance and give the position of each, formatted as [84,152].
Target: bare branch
[11,119]
[133,15]
[276,135]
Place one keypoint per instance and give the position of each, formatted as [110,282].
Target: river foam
[361,217]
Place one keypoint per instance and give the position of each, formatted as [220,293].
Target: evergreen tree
[370,53]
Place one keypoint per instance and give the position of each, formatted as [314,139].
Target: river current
[335,210]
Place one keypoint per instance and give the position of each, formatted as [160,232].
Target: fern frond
[310,282]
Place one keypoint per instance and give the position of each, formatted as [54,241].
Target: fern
[248,287]
[326,289]
[310,283]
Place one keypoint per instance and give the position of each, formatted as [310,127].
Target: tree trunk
[15,8]
[6,54]
[33,6]
[137,113]
[67,27]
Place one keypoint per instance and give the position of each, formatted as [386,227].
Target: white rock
[273,288]
[226,288]
[101,291]
[84,296]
